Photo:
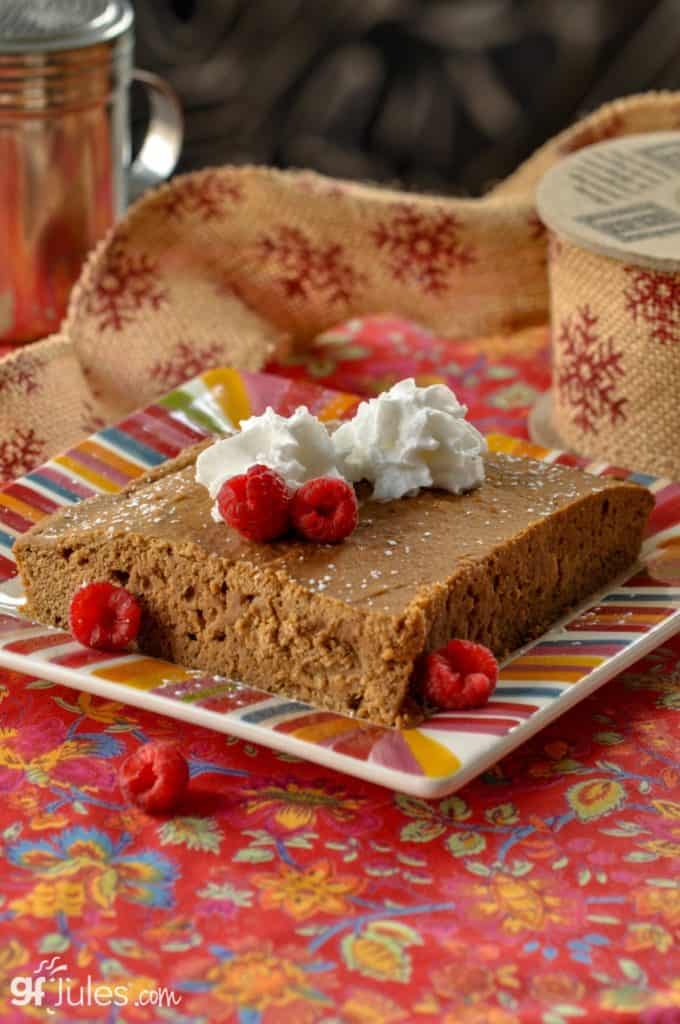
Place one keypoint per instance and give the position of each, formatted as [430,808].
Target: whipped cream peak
[411,437]
[298,447]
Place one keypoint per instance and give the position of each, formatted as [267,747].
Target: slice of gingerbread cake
[441,540]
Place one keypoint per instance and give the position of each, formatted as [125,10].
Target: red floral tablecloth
[546,891]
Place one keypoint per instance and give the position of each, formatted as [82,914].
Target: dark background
[441,95]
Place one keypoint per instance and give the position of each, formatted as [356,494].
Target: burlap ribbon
[616,359]
[232,265]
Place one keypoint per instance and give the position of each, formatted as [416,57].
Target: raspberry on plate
[104,616]
[461,674]
[256,503]
[325,510]
[155,777]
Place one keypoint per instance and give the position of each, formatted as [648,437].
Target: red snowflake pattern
[589,371]
[654,297]
[20,374]
[204,195]
[19,453]
[423,247]
[186,361]
[303,269]
[127,282]
[610,128]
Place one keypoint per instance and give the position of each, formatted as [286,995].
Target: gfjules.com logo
[51,988]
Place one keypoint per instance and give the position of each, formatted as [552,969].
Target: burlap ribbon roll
[616,358]
[614,273]
[233,265]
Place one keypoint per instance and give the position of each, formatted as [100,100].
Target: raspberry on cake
[325,510]
[488,548]
[104,616]
[256,503]
[461,674]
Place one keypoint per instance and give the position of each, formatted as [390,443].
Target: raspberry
[155,777]
[325,510]
[461,674]
[104,616]
[256,503]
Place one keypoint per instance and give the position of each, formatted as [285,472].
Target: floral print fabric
[545,891]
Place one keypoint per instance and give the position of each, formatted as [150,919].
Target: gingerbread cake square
[342,626]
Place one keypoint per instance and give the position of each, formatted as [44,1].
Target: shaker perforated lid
[41,26]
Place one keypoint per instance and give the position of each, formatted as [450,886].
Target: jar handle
[162,143]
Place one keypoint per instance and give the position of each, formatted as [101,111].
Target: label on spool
[620,198]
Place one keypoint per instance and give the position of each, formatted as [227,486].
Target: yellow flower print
[49,898]
[106,711]
[102,867]
[377,952]
[293,807]
[522,904]
[302,894]
[39,769]
[12,955]
[4,692]
[363,1007]
[257,979]
[27,800]
[662,901]
[9,758]
[44,764]
[644,935]
[595,798]
[293,817]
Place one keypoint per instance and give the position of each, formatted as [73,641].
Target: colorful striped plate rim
[613,630]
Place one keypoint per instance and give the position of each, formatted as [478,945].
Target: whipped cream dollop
[411,437]
[298,447]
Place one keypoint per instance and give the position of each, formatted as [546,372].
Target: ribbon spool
[613,214]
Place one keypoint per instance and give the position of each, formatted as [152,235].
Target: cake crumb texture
[342,626]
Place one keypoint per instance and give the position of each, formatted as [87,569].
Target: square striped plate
[611,631]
